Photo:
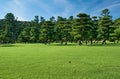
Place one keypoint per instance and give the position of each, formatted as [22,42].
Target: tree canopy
[81,29]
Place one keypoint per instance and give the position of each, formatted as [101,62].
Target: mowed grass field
[37,61]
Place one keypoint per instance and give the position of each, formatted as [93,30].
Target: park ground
[37,61]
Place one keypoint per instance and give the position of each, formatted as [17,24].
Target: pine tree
[82,28]
[104,25]
[47,30]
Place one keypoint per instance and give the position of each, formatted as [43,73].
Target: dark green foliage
[9,29]
[24,35]
[63,30]
[117,34]
[47,31]
[105,23]
[94,28]
[83,29]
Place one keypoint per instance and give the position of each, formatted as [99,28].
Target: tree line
[81,29]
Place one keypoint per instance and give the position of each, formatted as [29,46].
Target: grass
[37,61]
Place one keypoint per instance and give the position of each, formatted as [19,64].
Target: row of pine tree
[82,29]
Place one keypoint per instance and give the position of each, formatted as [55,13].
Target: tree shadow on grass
[108,44]
[97,44]
[8,45]
[63,44]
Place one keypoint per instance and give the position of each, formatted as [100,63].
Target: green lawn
[36,61]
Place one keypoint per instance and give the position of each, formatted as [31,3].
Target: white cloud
[111,6]
[21,8]
[60,1]
[43,6]
[16,7]
[18,3]
[67,6]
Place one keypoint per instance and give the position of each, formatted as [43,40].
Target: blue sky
[27,9]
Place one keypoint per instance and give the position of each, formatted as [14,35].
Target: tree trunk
[91,41]
[79,42]
[49,41]
[66,42]
[45,42]
[86,42]
[61,42]
[117,41]
[104,41]
[114,41]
